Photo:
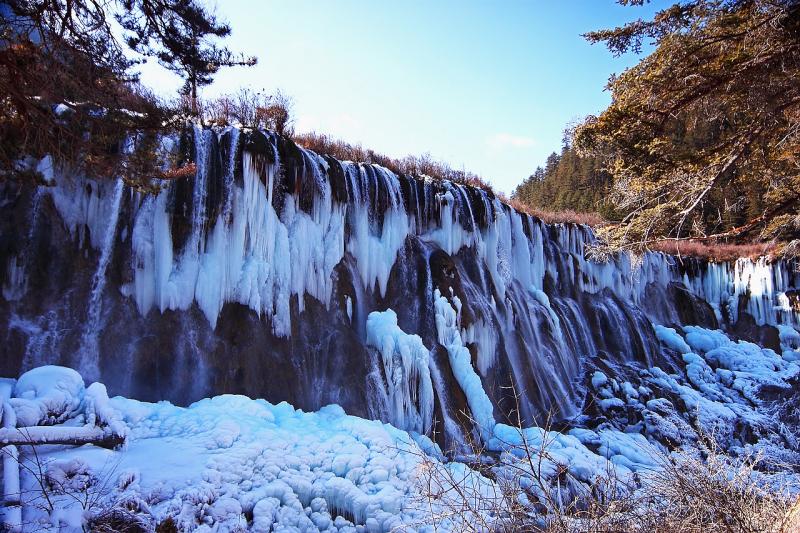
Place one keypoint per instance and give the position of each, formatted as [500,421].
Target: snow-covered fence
[32,410]
[67,436]
[12,508]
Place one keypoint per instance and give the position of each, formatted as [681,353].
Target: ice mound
[47,395]
[232,462]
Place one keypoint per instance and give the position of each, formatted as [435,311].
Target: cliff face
[259,276]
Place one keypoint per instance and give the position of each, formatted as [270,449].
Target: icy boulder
[100,412]
[47,395]
[671,339]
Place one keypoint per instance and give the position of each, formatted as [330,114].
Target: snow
[99,411]
[536,452]
[742,366]
[222,459]
[230,462]
[790,337]
[47,395]
[704,340]
[790,342]
[12,514]
[599,379]
[53,434]
[719,392]
[671,339]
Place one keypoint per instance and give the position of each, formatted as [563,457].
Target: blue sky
[487,86]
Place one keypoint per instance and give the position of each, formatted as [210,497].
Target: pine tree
[703,135]
[183,36]
[66,84]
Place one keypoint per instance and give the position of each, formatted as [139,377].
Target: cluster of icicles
[249,252]
[258,257]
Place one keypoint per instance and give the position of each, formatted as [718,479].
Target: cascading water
[268,263]
[230,174]
[89,351]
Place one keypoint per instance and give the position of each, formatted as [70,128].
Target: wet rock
[766,335]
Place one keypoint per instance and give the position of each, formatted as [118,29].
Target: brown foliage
[569,217]
[167,526]
[423,165]
[67,90]
[702,135]
[57,99]
[251,109]
[178,172]
[714,251]
[557,217]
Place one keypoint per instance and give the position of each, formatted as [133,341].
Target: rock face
[257,276]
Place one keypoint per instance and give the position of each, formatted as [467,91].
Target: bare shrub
[218,111]
[714,251]
[705,491]
[251,109]
[99,494]
[279,113]
[693,490]
[118,520]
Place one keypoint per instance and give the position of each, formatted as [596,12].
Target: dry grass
[423,165]
[557,217]
[699,490]
[569,217]
[715,251]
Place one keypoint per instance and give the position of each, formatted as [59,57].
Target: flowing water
[89,351]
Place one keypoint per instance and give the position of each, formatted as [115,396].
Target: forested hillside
[700,142]
[702,134]
[568,182]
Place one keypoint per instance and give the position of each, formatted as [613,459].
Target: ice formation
[221,460]
[406,369]
[286,274]
[447,327]
[47,394]
[230,462]
[272,227]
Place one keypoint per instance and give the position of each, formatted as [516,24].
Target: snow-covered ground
[225,463]
[231,463]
